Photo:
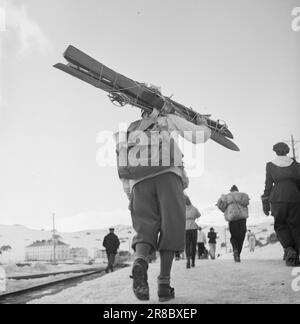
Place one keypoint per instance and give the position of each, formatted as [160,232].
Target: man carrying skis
[154,180]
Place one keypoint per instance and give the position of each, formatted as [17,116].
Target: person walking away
[235,208]
[191,227]
[155,189]
[282,198]
[177,256]
[201,242]
[212,242]
[251,240]
[111,243]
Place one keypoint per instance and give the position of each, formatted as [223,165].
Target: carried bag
[149,151]
[236,212]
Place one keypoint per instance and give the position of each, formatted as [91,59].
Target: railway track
[22,296]
[47,274]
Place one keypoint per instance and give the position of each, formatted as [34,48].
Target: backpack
[234,210]
[137,158]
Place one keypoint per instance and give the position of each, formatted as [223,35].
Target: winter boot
[291,257]
[236,256]
[140,279]
[193,263]
[165,292]
[284,255]
[188,263]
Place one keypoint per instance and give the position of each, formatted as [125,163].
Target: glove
[266,211]
[266,205]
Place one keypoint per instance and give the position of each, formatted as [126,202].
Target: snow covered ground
[37,268]
[262,277]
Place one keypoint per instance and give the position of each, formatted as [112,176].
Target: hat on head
[281,149]
[111,229]
[234,188]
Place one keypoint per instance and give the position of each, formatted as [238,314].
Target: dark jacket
[111,243]
[212,236]
[282,183]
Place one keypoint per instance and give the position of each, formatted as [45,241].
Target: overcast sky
[237,60]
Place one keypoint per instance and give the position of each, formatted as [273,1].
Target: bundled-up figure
[201,242]
[212,242]
[191,227]
[111,243]
[235,208]
[251,240]
[282,198]
[151,169]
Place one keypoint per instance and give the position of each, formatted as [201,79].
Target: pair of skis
[122,91]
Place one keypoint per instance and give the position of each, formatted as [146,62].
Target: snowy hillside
[18,237]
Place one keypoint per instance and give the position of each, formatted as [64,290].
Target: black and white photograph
[149,154]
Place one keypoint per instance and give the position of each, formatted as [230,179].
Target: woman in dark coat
[282,198]
[212,242]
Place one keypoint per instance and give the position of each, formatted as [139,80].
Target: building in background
[79,254]
[100,254]
[44,251]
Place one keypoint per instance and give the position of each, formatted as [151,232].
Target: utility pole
[293,144]
[293,147]
[225,239]
[54,239]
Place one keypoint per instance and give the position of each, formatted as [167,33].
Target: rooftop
[45,243]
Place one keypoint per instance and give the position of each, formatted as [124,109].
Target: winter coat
[234,205]
[111,243]
[152,157]
[150,147]
[191,215]
[212,236]
[282,181]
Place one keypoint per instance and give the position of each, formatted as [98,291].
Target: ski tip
[60,66]
[231,146]
[236,149]
[222,140]
[71,50]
